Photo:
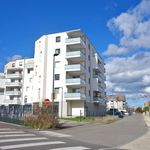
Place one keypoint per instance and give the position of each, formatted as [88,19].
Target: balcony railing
[99,77]
[77,40]
[72,96]
[13,93]
[74,67]
[97,99]
[1,93]
[12,101]
[15,75]
[75,54]
[74,81]
[13,84]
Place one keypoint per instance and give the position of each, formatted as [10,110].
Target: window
[13,64]
[57,90]
[25,99]
[57,76]
[89,81]
[89,57]
[58,39]
[89,46]
[89,93]
[57,51]
[20,63]
[29,70]
[89,69]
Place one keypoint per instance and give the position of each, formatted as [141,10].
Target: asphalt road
[87,136]
[110,135]
[20,138]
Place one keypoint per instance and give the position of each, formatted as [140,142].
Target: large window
[57,76]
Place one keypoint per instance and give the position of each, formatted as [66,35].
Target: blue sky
[24,21]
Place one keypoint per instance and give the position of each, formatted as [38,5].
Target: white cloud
[133,27]
[128,74]
[14,57]
[115,50]
[147,90]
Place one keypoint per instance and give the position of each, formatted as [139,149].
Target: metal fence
[15,112]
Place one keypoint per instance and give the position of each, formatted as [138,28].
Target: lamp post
[61,104]
[57,51]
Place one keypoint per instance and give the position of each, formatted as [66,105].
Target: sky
[119,29]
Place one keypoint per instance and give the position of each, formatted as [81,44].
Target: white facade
[79,73]
[2,86]
[19,82]
[116,102]
[78,76]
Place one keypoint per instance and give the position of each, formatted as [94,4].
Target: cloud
[133,27]
[147,90]
[128,74]
[14,57]
[115,50]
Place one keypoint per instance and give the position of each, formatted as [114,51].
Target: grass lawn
[102,120]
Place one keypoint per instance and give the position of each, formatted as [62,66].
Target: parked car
[120,114]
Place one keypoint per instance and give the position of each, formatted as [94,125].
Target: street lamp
[57,51]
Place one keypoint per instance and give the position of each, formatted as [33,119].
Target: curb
[147,121]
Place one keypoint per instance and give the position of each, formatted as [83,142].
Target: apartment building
[66,67]
[2,86]
[68,62]
[19,82]
[116,102]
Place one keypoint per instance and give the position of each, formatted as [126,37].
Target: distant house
[116,102]
[2,85]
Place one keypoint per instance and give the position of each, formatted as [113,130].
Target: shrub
[42,120]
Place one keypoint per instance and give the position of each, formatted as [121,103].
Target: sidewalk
[142,143]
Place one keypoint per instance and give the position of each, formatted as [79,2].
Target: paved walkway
[142,143]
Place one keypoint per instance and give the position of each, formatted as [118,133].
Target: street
[110,135]
[87,136]
[18,138]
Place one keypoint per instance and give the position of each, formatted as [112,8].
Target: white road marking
[51,133]
[15,135]
[3,129]
[22,139]
[71,148]
[12,132]
[30,145]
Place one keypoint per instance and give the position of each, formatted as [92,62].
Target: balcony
[29,65]
[75,68]
[1,93]
[75,56]
[75,82]
[12,101]
[76,41]
[11,84]
[98,77]
[74,96]
[14,75]
[13,93]
[97,100]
